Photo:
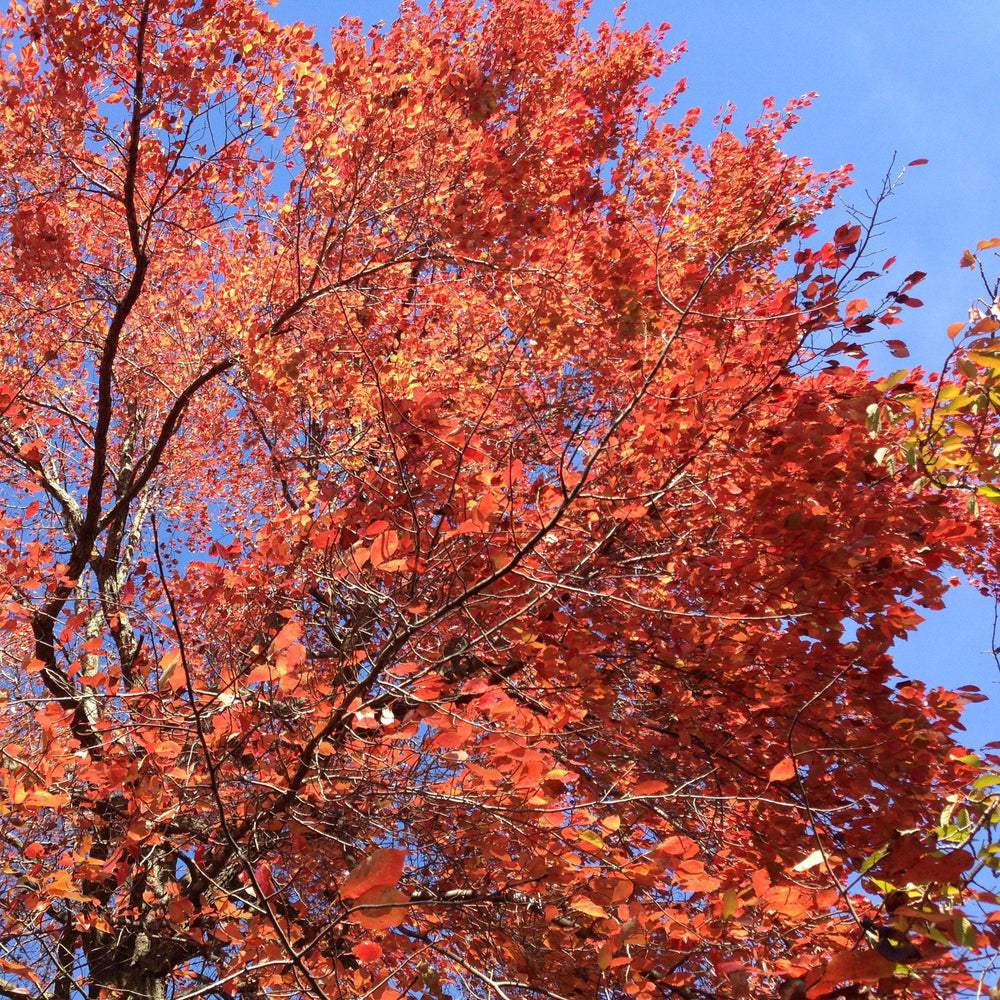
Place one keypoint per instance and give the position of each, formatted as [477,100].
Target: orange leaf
[288,634]
[44,800]
[262,672]
[866,966]
[383,547]
[684,846]
[381,908]
[784,770]
[623,888]
[381,868]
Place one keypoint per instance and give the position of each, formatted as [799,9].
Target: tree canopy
[451,544]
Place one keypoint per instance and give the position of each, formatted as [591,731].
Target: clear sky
[915,79]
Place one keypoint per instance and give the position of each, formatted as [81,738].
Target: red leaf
[945,869]
[262,874]
[33,451]
[847,235]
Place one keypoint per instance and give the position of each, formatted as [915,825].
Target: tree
[446,551]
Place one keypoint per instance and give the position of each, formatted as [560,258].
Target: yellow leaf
[594,839]
[987,359]
[893,380]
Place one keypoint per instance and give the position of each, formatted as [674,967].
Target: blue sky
[915,79]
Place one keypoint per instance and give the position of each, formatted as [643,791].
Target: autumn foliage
[449,545]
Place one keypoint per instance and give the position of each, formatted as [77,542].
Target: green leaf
[965,933]
[882,886]
[873,859]
[930,931]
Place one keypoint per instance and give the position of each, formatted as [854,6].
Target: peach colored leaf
[586,905]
